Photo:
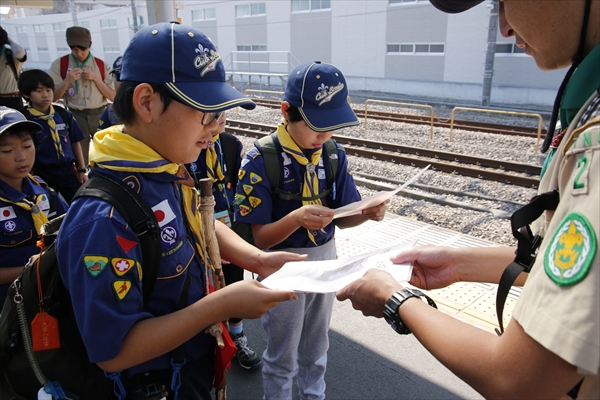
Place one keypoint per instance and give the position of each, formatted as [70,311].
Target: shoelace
[242,345]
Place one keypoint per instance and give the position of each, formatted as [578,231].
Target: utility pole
[160,11]
[73,12]
[134,16]
[490,54]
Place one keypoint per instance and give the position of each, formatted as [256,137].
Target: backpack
[59,109]
[270,149]
[8,53]
[64,65]
[39,290]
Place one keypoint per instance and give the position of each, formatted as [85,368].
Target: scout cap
[454,6]
[116,68]
[321,94]
[10,117]
[186,62]
[79,36]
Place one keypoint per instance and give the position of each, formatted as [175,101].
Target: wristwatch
[82,170]
[390,311]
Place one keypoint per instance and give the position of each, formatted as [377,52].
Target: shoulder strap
[266,146]
[527,246]
[139,217]
[11,62]
[330,157]
[230,151]
[63,115]
[64,65]
[100,65]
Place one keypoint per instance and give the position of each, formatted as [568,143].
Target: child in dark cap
[26,202]
[301,220]
[172,91]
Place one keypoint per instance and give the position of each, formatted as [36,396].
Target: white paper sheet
[333,275]
[371,201]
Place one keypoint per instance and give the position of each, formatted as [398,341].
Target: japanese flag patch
[571,251]
[163,212]
[7,213]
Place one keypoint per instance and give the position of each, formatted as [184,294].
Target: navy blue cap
[10,117]
[116,68]
[321,94]
[186,61]
[454,6]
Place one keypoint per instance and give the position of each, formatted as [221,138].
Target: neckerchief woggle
[111,146]
[38,216]
[52,124]
[310,187]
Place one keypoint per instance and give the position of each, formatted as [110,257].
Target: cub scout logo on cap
[572,250]
[122,265]
[326,93]
[206,59]
[95,264]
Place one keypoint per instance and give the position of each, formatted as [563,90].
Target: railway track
[426,120]
[525,175]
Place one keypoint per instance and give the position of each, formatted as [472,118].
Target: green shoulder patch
[572,250]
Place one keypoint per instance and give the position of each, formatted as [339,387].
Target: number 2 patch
[580,183]
[572,250]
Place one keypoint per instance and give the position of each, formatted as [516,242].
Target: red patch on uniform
[126,244]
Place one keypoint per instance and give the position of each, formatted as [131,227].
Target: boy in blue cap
[59,158]
[108,117]
[26,202]
[172,91]
[315,105]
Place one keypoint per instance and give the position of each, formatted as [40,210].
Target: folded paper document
[332,275]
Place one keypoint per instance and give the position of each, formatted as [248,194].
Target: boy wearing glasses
[84,82]
[168,106]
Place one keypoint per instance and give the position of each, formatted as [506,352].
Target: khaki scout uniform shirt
[560,303]
[85,95]
[8,83]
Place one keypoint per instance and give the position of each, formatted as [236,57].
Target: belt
[88,111]
[15,94]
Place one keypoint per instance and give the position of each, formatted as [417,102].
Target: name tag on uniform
[44,204]
[61,127]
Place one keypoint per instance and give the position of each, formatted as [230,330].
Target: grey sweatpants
[297,339]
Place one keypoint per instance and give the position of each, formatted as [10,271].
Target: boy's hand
[89,75]
[272,261]
[376,213]
[433,266]
[370,293]
[314,217]
[249,299]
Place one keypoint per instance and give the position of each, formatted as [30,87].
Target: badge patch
[126,244]
[7,213]
[572,250]
[10,226]
[168,235]
[133,182]
[255,178]
[239,199]
[254,201]
[139,269]
[244,210]
[95,265]
[122,265]
[121,288]
[163,212]
[247,188]
[44,203]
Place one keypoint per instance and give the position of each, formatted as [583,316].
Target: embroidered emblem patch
[241,174]
[10,226]
[95,265]
[239,199]
[244,210]
[254,201]
[247,188]
[7,213]
[254,178]
[572,250]
[126,244]
[121,288]
[133,182]
[168,235]
[139,269]
[122,265]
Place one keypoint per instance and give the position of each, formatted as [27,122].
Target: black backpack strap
[230,152]
[527,245]
[139,217]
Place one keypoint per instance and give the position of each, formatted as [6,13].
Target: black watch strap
[390,311]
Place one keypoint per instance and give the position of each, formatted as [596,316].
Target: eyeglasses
[210,117]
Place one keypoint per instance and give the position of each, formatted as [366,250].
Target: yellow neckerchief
[52,124]
[214,169]
[38,216]
[111,147]
[310,187]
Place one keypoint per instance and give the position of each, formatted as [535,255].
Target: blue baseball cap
[321,94]
[186,62]
[454,6]
[10,117]
[116,68]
